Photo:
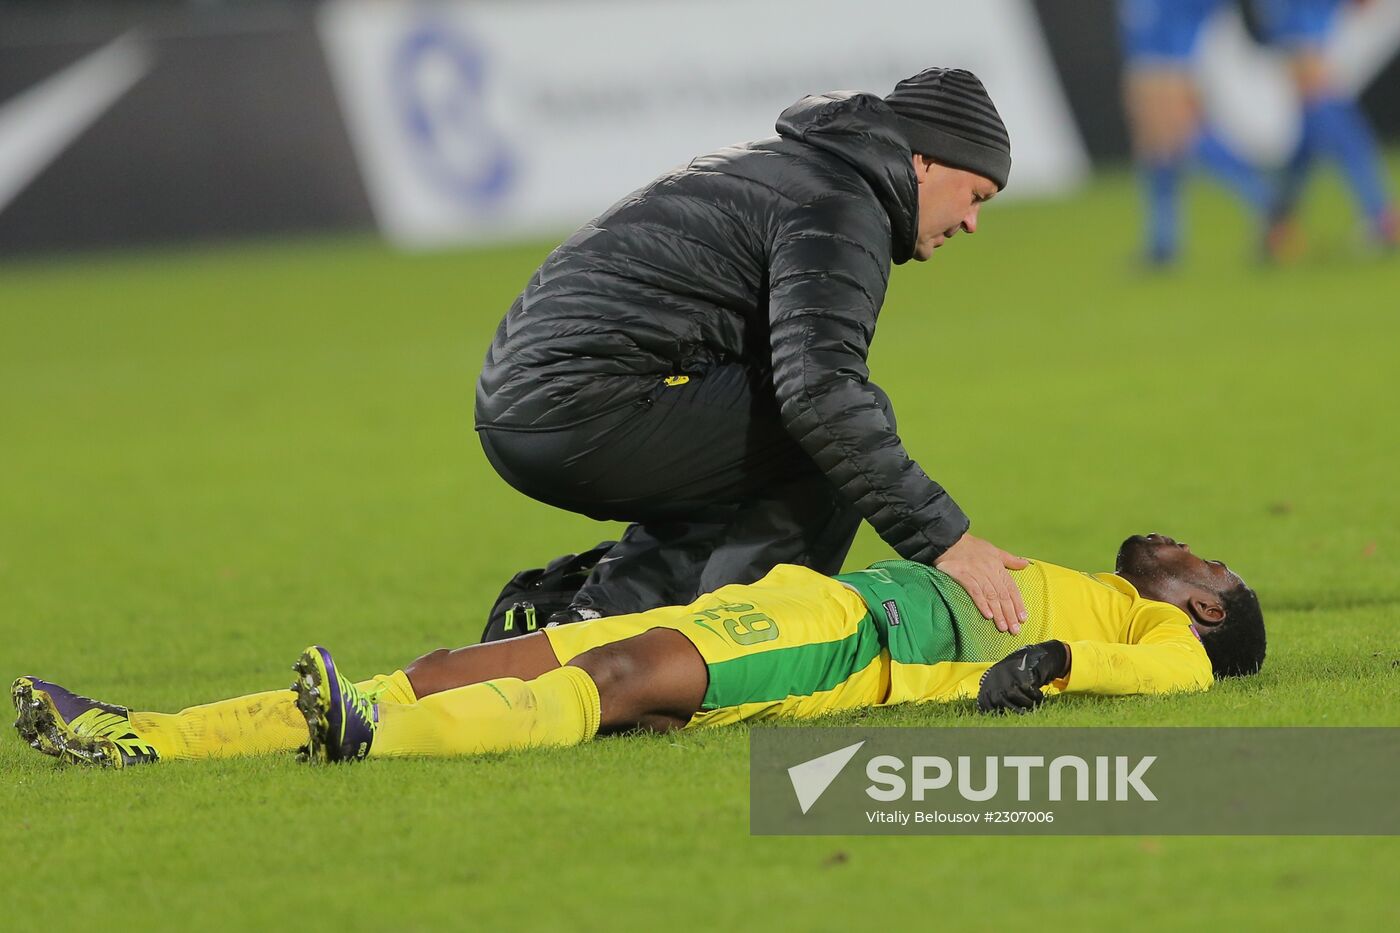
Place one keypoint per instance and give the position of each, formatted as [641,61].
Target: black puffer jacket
[777,254]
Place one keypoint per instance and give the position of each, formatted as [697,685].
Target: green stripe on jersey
[913,618]
[938,621]
[802,670]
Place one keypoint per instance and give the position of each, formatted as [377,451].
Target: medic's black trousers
[716,490]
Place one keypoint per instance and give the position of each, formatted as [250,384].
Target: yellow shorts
[795,644]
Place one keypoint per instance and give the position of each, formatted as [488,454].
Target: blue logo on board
[439,81]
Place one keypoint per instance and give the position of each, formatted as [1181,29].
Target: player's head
[1224,611]
[961,151]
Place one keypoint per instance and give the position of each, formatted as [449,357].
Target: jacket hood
[861,130]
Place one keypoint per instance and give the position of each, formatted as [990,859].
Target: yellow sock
[392,688]
[557,708]
[258,724]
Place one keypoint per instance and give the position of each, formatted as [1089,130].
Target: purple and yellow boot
[75,728]
[340,717]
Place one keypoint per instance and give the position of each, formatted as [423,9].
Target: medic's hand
[980,567]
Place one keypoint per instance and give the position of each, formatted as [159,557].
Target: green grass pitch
[212,458]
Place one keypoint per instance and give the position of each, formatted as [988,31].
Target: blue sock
[1291,180]
[1161,182]
[1339,129]
[1234,172]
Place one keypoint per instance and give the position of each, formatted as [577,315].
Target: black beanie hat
[946,114]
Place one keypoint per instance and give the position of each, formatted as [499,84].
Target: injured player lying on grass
[795,644]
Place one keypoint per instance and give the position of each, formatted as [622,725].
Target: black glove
[1014,682]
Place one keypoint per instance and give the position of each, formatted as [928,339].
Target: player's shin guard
[558,708]
[257,724]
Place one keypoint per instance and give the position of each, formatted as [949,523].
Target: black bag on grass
[532,596]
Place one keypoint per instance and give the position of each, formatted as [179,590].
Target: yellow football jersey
[1120,643]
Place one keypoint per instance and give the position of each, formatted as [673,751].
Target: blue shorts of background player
[1163,32]
[1297,23]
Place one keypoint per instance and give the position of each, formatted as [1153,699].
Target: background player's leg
[1333,124]
[1159,40]
[1233,171]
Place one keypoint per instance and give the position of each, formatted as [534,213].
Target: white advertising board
[504,120]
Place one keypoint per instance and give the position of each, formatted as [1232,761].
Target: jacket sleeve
[827,277]
[1168,659]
